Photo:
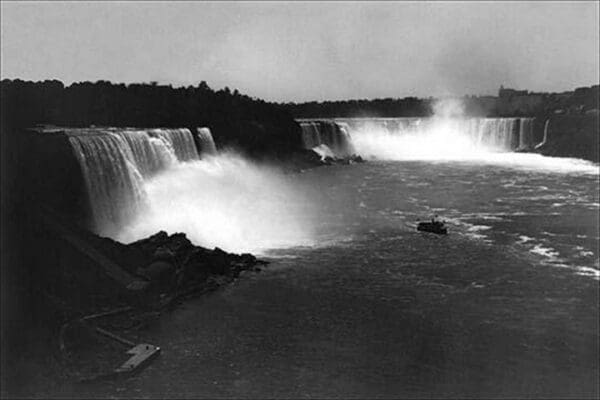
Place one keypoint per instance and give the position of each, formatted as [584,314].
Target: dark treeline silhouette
[252,125]
[508,103]
[481,106]
[382,108]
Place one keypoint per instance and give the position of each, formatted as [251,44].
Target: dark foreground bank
[69,274]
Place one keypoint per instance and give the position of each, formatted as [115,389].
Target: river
[505,305]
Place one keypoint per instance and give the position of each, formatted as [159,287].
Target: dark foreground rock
[64,293]
[355,158]
[174,267]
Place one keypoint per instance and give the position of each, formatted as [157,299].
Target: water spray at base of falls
[226,201]
[142,181]
[447,136]
[434,138]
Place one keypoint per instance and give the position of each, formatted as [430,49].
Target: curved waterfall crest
[342,137]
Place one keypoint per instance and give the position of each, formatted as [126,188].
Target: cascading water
[311,135]
[113,180]
[142,181]
[417,138]
[115,164]
[526,134]
[151,154]
[545,139]
[345,146]
[180,140]
[328,138]
[207,144]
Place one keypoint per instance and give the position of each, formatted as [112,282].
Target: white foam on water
[547,252]
[474,231]
[588,271]
[551,257]
[582,251]
[483,215]
[469,230]
[524,239]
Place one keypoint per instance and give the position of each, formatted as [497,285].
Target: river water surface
[505,305]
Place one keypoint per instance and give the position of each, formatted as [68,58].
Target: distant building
[505,93]
[518,102]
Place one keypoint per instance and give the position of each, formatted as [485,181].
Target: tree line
[252,125]
[508,103]
[377,108]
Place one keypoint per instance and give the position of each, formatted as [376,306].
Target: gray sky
[308,51]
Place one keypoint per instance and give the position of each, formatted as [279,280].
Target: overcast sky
[308,51]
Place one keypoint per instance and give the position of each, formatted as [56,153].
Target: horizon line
[184,86]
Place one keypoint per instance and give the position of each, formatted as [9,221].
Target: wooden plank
[142,354]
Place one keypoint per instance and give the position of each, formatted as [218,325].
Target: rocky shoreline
[175,268]
[64,346]
[302,160]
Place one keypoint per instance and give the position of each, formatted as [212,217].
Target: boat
[433,227]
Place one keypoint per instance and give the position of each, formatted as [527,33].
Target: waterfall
[115,164]
[329,138]
[113,182]
[493,133]
[344,146]
[543,142]
[525,134]
[142,181]
[311,136]
[180,140]
[417,138]
[149,153]
[206,142]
